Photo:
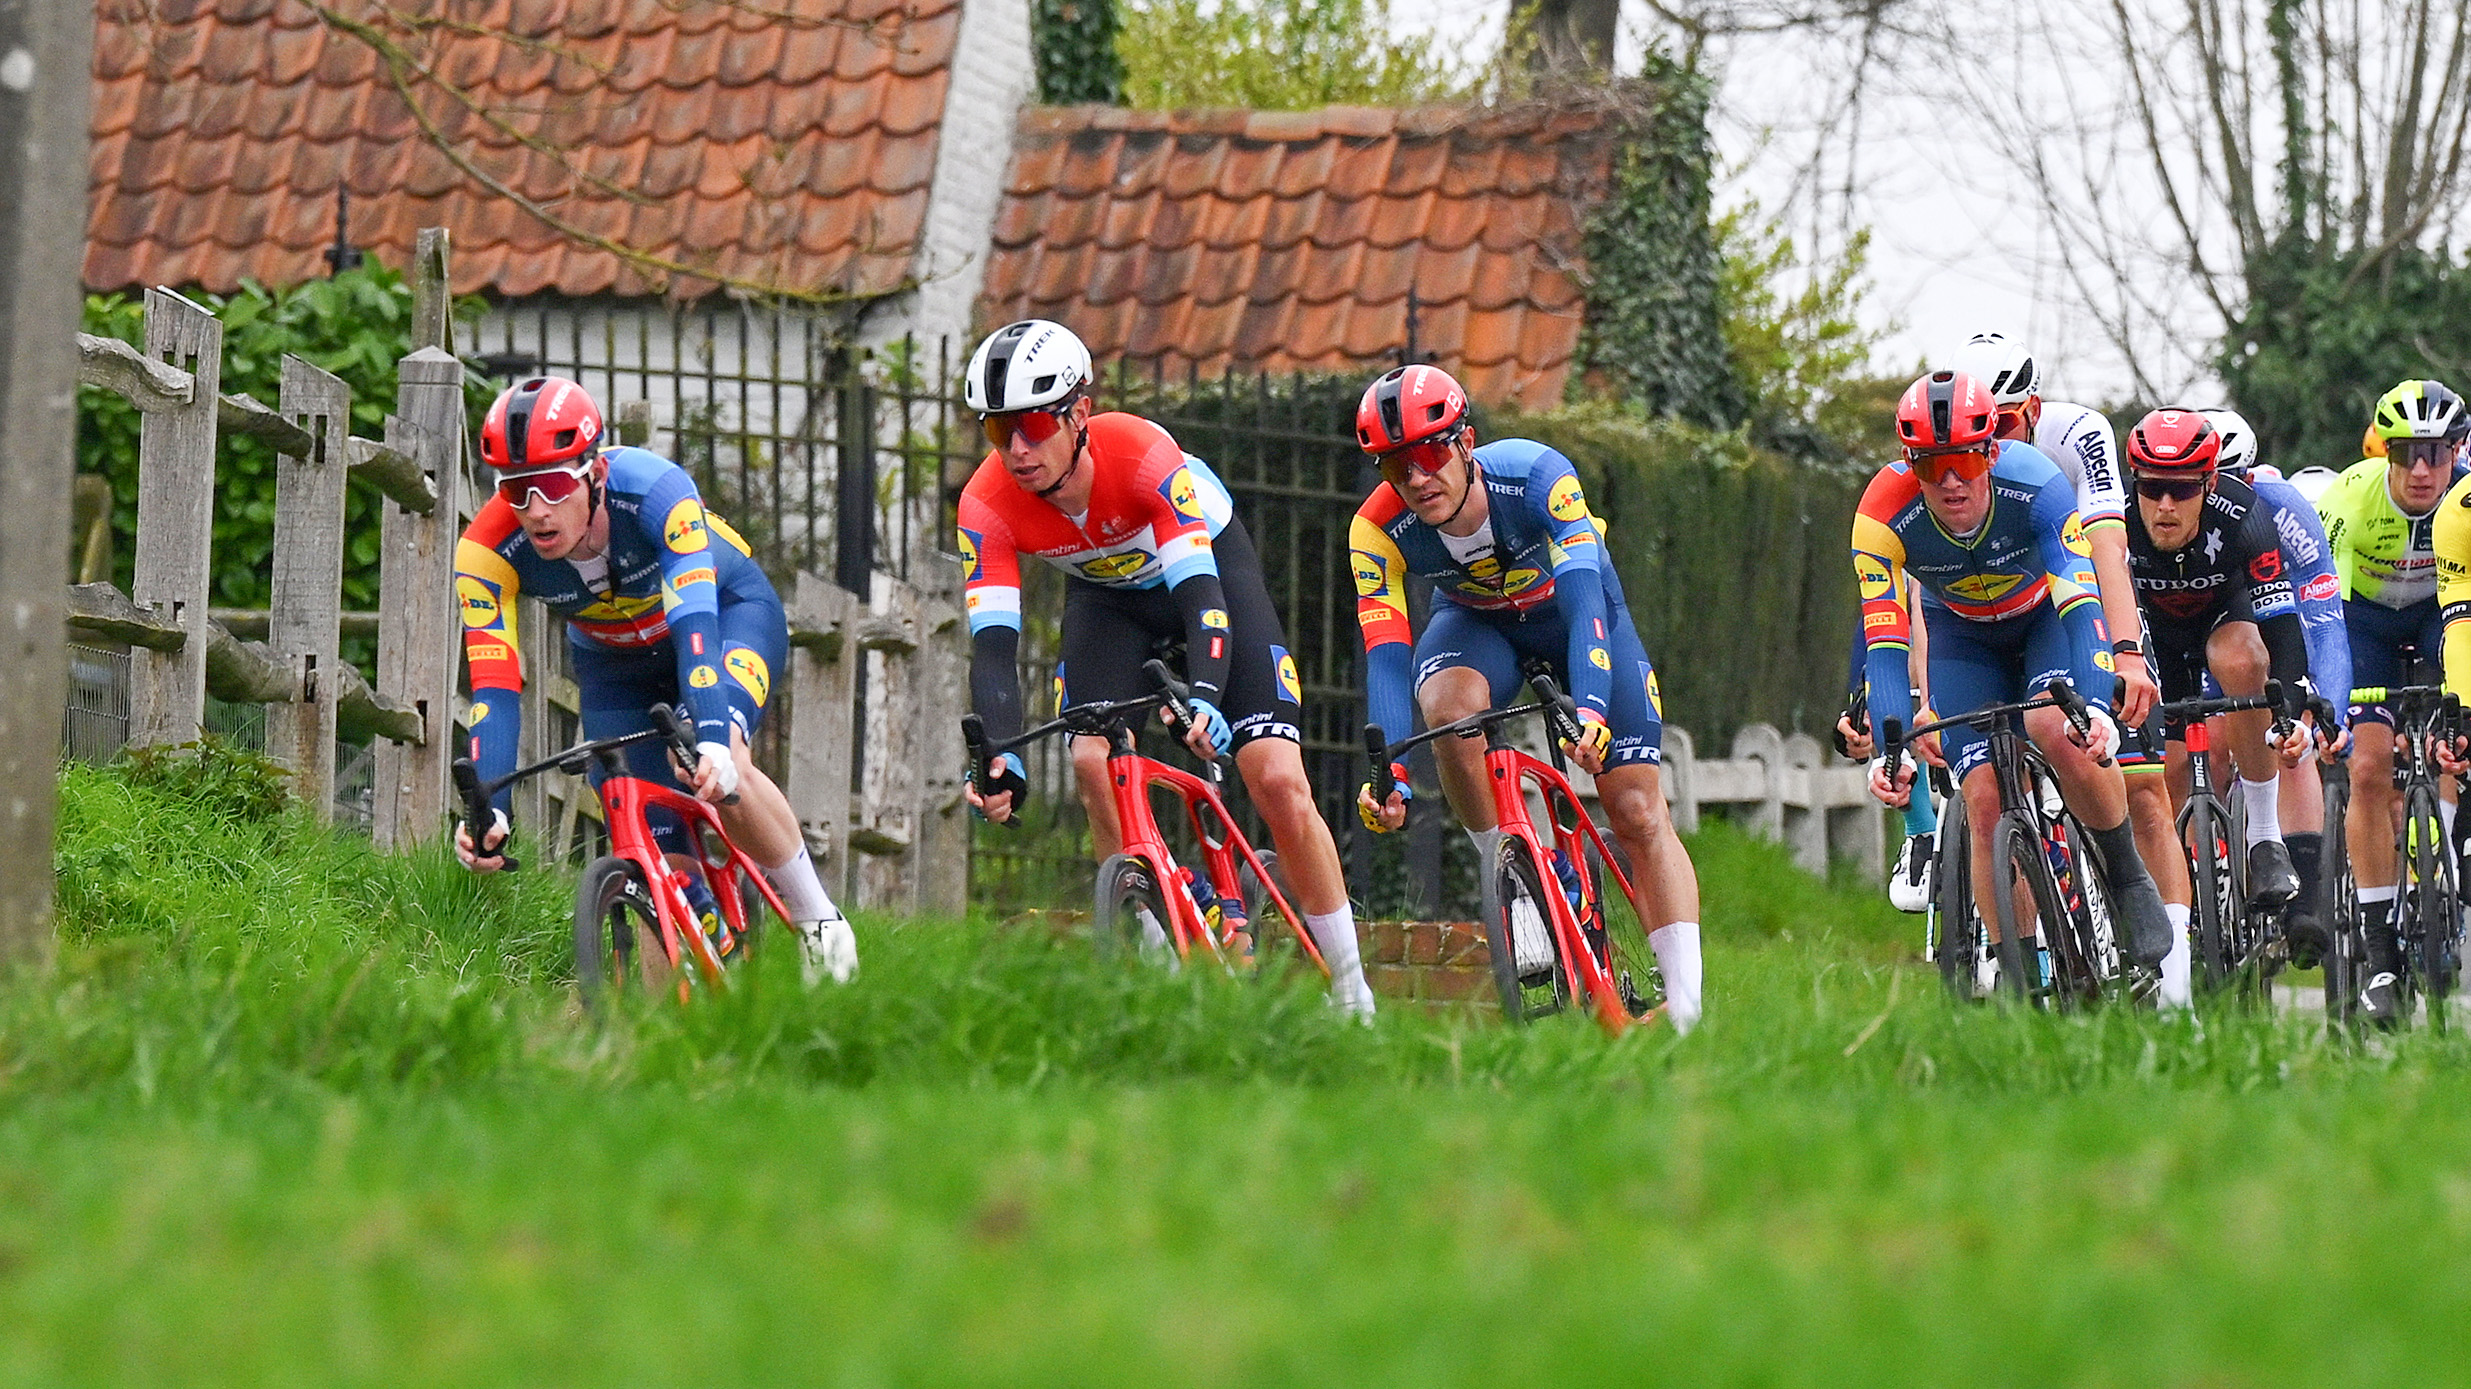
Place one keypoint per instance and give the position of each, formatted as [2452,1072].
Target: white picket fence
[1786,787]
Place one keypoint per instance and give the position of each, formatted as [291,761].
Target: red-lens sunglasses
[552,485]
[1037,426]
[1424,458]
[1937,466]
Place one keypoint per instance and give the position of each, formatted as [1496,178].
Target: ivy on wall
[1654,336]
[1077,61]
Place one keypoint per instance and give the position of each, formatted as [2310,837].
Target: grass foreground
[286,1111]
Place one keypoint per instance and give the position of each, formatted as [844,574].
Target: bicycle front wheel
[1963,943]
[2018,861]
[617,932]
[1131,916]
[2338,909]
[2435,920]
[2203,831]
[1528,970]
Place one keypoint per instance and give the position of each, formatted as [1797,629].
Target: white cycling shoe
[1909,882]
[826,948]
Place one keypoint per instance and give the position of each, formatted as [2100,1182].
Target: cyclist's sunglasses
[1037,426]
[2408,454]
[552,485]
[1938,465]
[2178,489]
[1425,458]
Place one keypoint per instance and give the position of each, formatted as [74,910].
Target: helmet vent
[1043,384]
[563,440]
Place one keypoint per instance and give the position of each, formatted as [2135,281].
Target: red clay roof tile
[222,127]
[1289,240]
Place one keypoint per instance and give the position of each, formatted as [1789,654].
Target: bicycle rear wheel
[1131,917]
[1528,970]
[2084,947]
[2338,909]
[2430,888]
[617,932]
[2018,859]
[1620,939]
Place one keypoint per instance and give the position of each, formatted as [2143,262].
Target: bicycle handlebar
[478,815]
[2059,694]
[679,731]
[2190,710]
[1377,764]
[1558,708]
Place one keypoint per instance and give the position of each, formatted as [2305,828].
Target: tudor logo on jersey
[2266,567]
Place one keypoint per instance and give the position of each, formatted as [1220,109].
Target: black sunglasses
[2177,489]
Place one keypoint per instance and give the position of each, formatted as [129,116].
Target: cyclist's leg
[2378,634]
[1631,790]
[2235,653]
[1264,708]
[1107,635]
[2145,761]
[1972,664]
[755,645]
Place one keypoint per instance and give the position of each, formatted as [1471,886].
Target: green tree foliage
[1803,354]
[1654,335]
[1282,55]
[1076,42]
[2321,340]
[356,325]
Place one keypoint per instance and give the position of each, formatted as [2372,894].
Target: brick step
[1436,962]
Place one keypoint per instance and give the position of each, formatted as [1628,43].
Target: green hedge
[1733,560]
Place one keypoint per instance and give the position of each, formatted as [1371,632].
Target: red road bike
[634,926]
[1147,902]
[1547,928]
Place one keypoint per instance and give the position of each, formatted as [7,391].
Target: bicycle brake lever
[1892,743]
[1377,762]
[478,816]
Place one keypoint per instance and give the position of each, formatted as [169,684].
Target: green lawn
[287,1112]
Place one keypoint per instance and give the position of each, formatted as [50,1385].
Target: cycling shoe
[2272,880]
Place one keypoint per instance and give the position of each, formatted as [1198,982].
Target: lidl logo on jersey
[2072,535]
[1872,572]
[479,600]
[971,571]
[2103,659]
[684,530]
[1372,576]
[1985,588]
[703,677]
[750,671]
[1564,501]
[1486,568]
[1290,688]
[1214,617]
[1597,658]
[1115,568]
[480,711]
[1183,495]
[1655,692]
[1521,580]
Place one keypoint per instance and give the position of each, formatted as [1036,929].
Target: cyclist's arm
[2339,507]
[1887,626]
[2318,591]
[1381,612]
[485,594]
[991,591]
[1577,556]
[673,520]
[2102,509]
[1182,530]
[2451,539]
[2266,577]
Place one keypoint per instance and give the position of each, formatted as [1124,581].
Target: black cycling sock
[2118,845]
[2307,851]
[2376,922]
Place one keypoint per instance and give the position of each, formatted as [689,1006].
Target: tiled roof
[1287,241]
[787,142]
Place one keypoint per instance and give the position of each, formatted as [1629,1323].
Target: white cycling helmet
[2004,366]
[1030,365]
[2313,481]
[2239,441]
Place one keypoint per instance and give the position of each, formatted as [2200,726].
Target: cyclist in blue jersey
[1988,531]
[2317,586]
[1519,572]
[662,605]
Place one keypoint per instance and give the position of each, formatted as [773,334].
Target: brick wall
[1430,962]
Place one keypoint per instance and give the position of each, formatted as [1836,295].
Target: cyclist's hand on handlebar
[2100,740]
[716,773]
[1006,775]
[1390,816]
[1855,739]
[1208,735]
[1595,741]
[1894,794]
[2452,752]
[493,856]
[2290,742]
[2137,691]
[1927,748]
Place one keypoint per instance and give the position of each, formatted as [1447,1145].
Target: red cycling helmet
[540,423]
[1946,412]
[2181,442]
[1409,405]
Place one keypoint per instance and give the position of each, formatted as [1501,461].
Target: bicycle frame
[1510,771]
[625,801]
[1130,778]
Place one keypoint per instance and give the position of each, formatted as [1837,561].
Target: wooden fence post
[305,613]
[43,104]
[418,635]
[822,679]
[175,522]
[1681,778]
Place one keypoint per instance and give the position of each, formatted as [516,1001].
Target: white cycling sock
[1335,934]
[2263,801]
[1677,955]
[2176,992]
[2445,812]
[801,890]
[1488,848]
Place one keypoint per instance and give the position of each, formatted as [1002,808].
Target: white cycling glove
[1879,777]
[2101,735]
[718,755]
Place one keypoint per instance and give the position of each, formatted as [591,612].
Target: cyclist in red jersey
[1151,549]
